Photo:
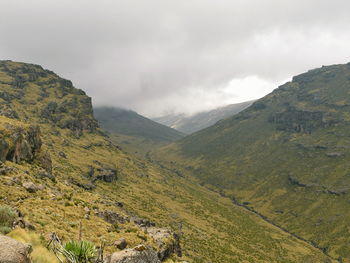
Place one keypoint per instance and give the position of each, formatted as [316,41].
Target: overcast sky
[162,56]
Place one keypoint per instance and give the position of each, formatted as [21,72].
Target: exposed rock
[139,254]
[141,222]
[107,175]
[31,187]
[334,154]
[44,160]
[5,169]
[120,243]
[44,174]
[167,241]
[12,251]
[119,204]
[294,120]
[63,155]
[21,145]
[85,186]
[112,217]
[23,224]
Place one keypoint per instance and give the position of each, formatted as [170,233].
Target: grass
[211,227]
[252,156]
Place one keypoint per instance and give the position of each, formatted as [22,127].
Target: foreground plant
[7,217]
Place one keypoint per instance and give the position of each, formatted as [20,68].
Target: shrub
[5,230]
[79,252]
[7,217]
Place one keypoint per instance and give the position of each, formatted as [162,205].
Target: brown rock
[12,251]
[121,243]
[139,254]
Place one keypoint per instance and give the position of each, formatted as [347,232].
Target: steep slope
[286,157]
[201,120]
[65,176]
[135,133]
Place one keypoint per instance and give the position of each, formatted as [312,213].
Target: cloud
[158,56]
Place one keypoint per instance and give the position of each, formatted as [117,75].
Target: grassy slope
[136,134]
[213,228]
[287,156]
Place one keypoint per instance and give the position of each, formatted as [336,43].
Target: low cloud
[162,56]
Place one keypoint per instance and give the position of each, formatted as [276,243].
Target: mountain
[201,120]
[60,175]
[135,133]
[286,157]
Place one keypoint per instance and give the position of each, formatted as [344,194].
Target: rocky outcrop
[19,144]
[167,242]
[104,174]
[112,217]
[300,121]
[139,254]
[12,251]
[31,187]
[61,104]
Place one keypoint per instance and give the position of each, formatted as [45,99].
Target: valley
[62,174]
[284,157]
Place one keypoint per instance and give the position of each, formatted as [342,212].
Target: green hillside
[62,174]
[286,157]
[134,133]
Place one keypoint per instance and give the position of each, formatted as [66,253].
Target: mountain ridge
[285,157]
[198,121]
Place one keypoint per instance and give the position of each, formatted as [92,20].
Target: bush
[5,230]
[79,252]
[7,217]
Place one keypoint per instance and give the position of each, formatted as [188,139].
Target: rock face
[12,251]
[167,241]
[19,144]
[139,254]
[112,217]
[59,102]
[107,175]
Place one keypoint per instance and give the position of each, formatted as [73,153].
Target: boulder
[31,187]
[139,254]
[12,251]
[168,242]
[120,243]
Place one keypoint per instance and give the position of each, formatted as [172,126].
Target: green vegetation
[79,252]
[135,133]
[7,218]
[286,157]
[76,174]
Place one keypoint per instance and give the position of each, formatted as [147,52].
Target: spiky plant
[79,252]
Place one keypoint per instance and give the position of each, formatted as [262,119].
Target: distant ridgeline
[201,120]
[287,157]
[126,122]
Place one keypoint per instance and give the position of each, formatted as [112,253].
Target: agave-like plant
[79,252]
